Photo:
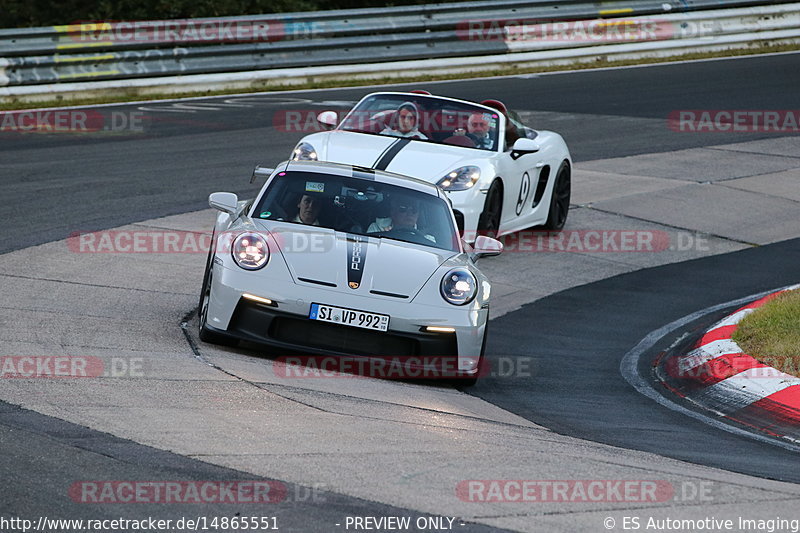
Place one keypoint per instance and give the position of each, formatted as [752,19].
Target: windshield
[433,120]
[359,206]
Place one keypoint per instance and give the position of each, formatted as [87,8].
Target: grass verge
[265,86]
[771,333]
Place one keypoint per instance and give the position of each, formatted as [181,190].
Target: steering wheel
[411,232]
[411,235]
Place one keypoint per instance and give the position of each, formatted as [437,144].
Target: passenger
[308,209]
[407,123]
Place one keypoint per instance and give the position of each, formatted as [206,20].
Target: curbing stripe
[789,398]
[717,334]
[734,319]
[724,367]
[761,301]
[718,376]
[782,415]
[702,354]
[745,388]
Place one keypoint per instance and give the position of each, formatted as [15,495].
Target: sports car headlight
[460,179]
[459,286]
[250,251]
[304,152]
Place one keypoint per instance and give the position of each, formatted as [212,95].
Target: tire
[205,334]
[464,383]
[489,221]
[559,200]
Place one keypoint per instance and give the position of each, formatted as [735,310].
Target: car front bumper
[286,324]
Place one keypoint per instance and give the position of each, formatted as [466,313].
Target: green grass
[771,333]
[330,83]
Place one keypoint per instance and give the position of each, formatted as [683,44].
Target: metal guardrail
[114,51]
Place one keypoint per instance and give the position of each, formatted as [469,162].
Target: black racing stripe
[363,173]
[388,147]
[390,154]
[356,259]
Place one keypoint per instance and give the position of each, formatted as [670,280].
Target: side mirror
[226,202]
[486,247]
[328,118]
[523,146]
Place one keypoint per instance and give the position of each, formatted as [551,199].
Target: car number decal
[524,191]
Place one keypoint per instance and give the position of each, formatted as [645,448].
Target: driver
[308,209]
[478,129]
[404,212]
[407,123]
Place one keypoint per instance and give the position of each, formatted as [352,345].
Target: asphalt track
[41,456]
[577,338]
[88,182]
[57,184]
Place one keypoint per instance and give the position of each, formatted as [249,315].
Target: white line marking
[227,103]
[165,109]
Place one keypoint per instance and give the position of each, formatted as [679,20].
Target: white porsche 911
[500,175]
[343,260]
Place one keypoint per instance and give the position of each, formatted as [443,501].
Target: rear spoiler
[261,172]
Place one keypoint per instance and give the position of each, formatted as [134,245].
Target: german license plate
[349,317]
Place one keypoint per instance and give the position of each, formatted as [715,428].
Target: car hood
[418,159]
[326,258]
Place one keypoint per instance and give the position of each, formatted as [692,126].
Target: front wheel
[559,200]
[465,382]
[205,334]
[489,221]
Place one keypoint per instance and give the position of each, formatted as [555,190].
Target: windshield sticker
[315,186]
[265,214]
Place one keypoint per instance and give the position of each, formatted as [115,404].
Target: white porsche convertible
[501,176]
